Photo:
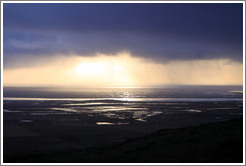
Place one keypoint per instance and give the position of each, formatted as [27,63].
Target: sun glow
[109,70]
[90,68]
[124,70]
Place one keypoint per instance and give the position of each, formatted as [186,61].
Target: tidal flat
[41,126]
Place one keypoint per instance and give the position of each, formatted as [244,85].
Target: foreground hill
[220,142]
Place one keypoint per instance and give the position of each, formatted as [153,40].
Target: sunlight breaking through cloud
[125,69]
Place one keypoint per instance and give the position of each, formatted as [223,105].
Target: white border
[123,164]
[1,83]
[122,1]
[2,2]
[244,82]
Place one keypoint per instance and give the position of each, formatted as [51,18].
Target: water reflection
[104,123]
[119,112]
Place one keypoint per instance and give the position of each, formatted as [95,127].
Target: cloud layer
[159,32]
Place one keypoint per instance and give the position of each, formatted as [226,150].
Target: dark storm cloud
[158,31]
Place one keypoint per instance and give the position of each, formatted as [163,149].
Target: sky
[122,43]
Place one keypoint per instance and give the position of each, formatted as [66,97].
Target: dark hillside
[220,142]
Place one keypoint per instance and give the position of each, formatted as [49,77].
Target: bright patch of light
[106,70]
[117,68]
[90,68]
